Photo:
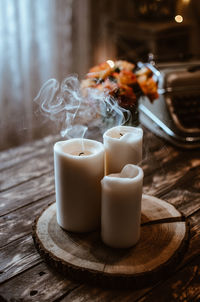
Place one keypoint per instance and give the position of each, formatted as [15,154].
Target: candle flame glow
[111,63]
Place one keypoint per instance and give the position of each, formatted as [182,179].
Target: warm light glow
[186,1]
[178,19]
[111,63]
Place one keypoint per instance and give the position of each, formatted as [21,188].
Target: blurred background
[45,39]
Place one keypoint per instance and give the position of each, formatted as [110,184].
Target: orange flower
[144,71]
[122,81]
[126,90]
[149,87]
[100,71]
[124,65]
[126,97]
[110,85]
[126,77]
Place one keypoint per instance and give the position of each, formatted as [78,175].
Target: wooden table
[27,186]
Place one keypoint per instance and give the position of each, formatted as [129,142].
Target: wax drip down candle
[121,207]
[79,168]
[123,145]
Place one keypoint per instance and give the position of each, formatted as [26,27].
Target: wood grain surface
[170,173]
[164,237]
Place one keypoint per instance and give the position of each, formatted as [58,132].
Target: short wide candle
[121,207]
[123,145]
[79,168]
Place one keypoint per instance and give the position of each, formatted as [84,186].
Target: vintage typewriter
[175,116]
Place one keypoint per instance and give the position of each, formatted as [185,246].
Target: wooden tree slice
[164,237]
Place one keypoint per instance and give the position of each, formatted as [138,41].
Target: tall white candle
[123,145]
[79,168]
[121,207]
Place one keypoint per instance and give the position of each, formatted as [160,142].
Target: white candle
[123,145]
[79,168]
[121,207]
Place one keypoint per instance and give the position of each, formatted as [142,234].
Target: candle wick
[121,134]
[81,153]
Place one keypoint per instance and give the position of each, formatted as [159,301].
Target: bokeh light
[178,18]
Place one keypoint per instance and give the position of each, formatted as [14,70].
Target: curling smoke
[78,109]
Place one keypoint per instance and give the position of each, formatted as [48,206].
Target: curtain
[35,45]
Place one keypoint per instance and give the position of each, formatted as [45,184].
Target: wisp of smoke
[79,110]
